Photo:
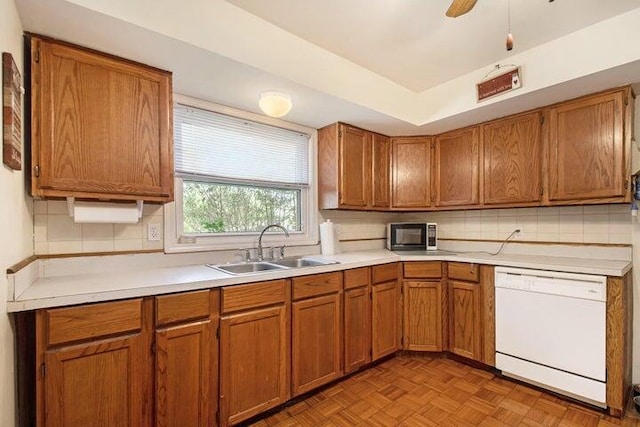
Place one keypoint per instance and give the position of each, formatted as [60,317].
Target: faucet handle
[245,254]
[278,251]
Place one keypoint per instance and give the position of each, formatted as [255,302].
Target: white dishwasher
[550,330]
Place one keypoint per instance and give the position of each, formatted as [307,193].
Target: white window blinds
[223,147]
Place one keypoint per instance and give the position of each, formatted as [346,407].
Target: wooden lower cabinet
[317,342]
[385,320]
[357,328]
[254,349]
[422,315]
[186,362]
[465,310]
[464,320]
[93,362]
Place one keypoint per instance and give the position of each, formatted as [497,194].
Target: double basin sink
[252,267]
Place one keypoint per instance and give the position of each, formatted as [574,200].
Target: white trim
[172,216]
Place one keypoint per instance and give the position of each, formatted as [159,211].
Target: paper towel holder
[71,201]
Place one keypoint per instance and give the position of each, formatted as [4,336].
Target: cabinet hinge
[43,370]
[626,99]
[218,332]
[36,55]
[36,171]
[626,184]
[339,134]
[153,348]
[542,191]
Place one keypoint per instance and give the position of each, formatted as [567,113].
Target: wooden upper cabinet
[588,154]
[380,171]
[512,160]
[410,178]
[100,125]
[353,168]
[456,168]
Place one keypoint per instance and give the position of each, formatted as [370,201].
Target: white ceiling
[394,66]
[414,44]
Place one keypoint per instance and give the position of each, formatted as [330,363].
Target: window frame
[174,242]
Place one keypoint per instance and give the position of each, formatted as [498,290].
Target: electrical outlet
[153,232]
[519,234]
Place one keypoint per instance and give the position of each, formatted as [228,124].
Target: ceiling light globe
[275,104]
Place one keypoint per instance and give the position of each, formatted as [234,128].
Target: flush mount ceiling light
[275,104]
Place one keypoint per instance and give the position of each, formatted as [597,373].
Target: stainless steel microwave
[412,236]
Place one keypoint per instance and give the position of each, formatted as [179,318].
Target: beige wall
[15,227]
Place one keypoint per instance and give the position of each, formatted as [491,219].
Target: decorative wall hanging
[499,84]
[11,113]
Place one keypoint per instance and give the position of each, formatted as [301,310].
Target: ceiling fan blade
[460,7]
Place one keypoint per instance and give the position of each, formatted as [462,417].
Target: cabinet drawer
[253,295]
[317,284]
[356,277]
[384,273]
[428,270]
[64,325]
[464,271]
[182,307]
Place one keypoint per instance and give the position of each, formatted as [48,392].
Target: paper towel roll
[329,244]
[113,213]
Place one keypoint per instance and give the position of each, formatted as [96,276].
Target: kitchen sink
[247,267]
[300,262]
[253,267]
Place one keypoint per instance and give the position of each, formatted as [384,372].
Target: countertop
[61,290]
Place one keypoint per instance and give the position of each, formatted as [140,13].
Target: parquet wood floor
[420,390]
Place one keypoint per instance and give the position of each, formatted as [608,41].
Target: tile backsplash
[571,224]
[56,233]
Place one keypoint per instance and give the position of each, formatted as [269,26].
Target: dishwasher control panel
[585,286]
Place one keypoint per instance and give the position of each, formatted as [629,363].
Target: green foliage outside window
[229,208]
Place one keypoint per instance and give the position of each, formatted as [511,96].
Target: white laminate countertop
[41,291]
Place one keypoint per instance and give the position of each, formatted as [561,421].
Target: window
[237,172]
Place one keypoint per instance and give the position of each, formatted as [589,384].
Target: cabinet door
[411,163]
[586,148]
[254,363]
[465,320]
[317,345]
[355,167]
[100,383]
[456,168]
[184,375]
[380,171]
[512,160]
[385,319]
[101,125]
[357,328]
[422,316]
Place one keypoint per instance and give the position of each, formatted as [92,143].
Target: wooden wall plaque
[11,113]
[499,84]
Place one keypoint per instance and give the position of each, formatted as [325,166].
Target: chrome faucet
[286,233]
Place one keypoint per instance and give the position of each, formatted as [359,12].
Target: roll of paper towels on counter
[329,244]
